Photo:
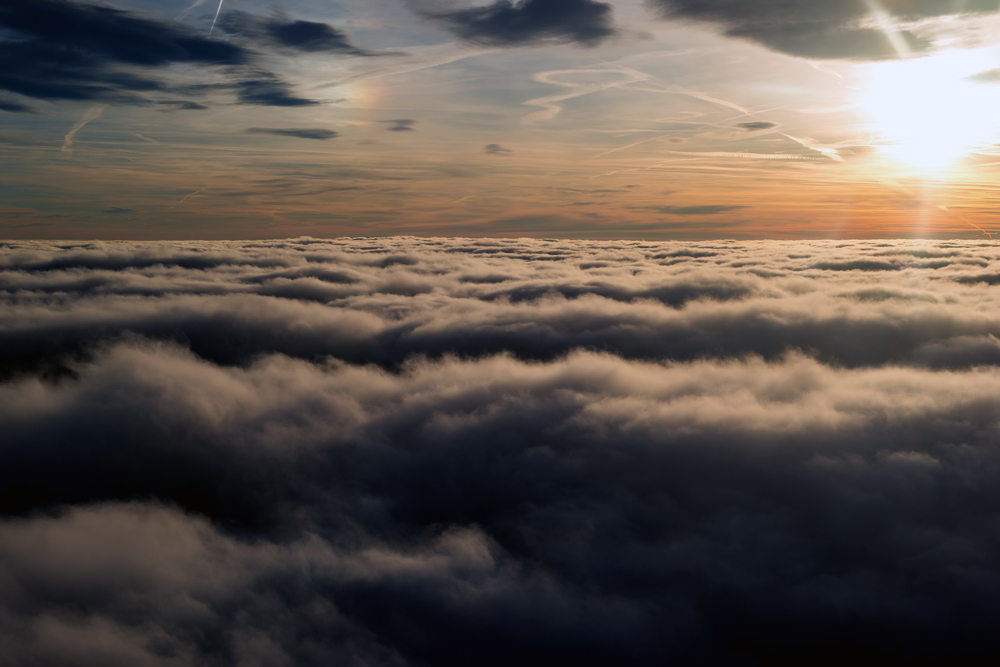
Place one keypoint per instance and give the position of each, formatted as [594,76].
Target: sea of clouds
[395,452]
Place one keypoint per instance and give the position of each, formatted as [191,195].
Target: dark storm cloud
[301,133]
[820,29]
[520,22]
[756,126]
[282,32]
[62,50]
[442,452]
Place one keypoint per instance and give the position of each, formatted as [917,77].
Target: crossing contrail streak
[746,156]
[187,11]
[217,10]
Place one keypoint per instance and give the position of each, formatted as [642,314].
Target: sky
[660,119]
[402,452]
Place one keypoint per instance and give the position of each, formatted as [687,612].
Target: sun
[928,112]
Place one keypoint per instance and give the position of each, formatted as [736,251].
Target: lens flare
[928,112]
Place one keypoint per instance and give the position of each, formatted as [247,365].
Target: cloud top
[560,452]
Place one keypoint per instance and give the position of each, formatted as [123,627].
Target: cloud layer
[405,452]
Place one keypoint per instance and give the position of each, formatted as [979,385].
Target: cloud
[180,105]
[839,30]
[400,125]
[15,107]
[265,89]
[526,22]
[705,209]
[301,133]
[756,126]
[294,35]
[60,50]
[989,76]
[116,210]
[497,149]
[412,451]
[92,113]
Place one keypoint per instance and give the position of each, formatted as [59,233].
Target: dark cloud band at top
[75,51]
[823,30]
[61,50]
[525,22]
[295,35]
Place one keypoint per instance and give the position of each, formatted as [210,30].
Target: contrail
[974,226]
[217,10]
[187,11]
[828,150]
[746,156]
[550,108]
[92,113]
[621,148]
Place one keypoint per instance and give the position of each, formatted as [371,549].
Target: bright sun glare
[928,112]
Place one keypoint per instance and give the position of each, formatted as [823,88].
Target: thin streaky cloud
[746,156]
[829,151]
[91,114]
[215,18]
[193,6]
[548,103]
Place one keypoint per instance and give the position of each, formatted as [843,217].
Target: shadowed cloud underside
[530,452]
